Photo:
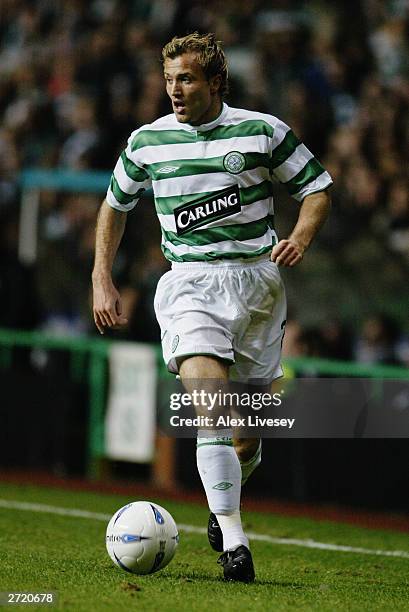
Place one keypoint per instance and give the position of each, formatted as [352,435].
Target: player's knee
[246,448]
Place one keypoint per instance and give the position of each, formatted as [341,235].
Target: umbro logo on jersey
[167,169]
[199,212]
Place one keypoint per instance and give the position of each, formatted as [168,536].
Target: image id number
[15,598]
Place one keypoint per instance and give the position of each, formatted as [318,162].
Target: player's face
[195,98]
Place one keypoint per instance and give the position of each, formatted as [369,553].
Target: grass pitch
[43,552]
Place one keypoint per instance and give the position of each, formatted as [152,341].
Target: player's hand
[107,306]
[287,253]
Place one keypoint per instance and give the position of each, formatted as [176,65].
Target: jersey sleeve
[293,165]
[129,179]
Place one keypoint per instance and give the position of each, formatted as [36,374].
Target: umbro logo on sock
[222,486]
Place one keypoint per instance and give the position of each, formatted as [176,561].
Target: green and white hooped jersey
[213,183]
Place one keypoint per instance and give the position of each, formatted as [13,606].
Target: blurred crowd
[77,76]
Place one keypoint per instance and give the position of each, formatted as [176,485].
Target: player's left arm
[313,212]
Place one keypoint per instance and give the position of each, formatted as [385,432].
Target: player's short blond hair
[210,56]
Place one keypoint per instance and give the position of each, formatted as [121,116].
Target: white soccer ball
[142,537]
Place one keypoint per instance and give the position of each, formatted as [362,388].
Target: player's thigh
[202,367]
[208,377]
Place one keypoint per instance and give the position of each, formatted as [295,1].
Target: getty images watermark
[244,405]
[294,408]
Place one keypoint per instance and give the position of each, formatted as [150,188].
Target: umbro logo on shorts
[175,343]
[199,212]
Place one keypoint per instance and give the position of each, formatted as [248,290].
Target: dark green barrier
[94,351]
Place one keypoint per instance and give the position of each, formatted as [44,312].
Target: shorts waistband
[240,262]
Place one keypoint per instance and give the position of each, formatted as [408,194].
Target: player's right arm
[107,306]
[129,180]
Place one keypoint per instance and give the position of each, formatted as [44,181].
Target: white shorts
[235,311]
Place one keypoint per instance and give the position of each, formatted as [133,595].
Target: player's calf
[249,453]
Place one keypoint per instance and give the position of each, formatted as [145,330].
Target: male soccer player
[221,307]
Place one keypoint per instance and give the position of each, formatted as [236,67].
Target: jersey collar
[206,126]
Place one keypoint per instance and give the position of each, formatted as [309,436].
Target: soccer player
[221,307]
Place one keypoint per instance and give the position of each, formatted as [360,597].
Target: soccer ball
[142,537]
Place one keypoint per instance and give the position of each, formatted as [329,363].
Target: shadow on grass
[192,577]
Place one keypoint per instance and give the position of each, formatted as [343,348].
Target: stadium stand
[75,79]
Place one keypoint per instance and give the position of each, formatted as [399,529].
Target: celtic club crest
[234,162]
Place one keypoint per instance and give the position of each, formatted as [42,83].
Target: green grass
[44,552]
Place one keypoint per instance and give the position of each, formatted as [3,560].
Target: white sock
[232,530]
[248,467]
[220,471]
